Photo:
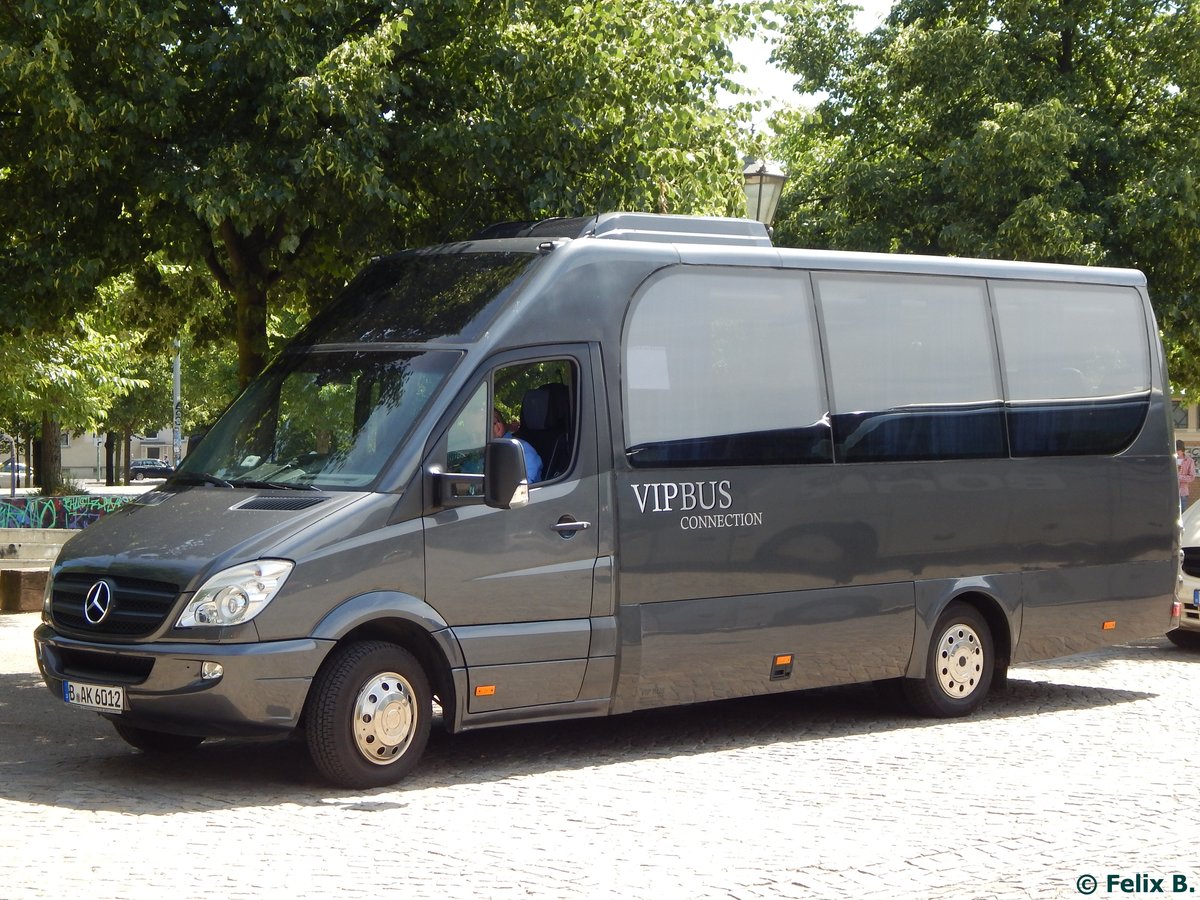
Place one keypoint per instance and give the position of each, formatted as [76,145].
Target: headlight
[237,594]
[47,598]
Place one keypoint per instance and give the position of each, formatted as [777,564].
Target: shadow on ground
[54,755]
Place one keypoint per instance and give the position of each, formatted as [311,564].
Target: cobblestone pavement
[1078,769]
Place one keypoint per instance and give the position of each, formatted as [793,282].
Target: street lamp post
[764,182]
[176,411]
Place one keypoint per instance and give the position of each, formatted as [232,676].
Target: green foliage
[276,146]
[75,373]
[571,109]
[1034,129]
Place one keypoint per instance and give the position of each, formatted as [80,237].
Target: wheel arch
[406,621]
[997,599]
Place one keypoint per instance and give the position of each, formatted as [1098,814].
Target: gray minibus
[754,470]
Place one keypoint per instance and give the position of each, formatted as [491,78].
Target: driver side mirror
[505,483]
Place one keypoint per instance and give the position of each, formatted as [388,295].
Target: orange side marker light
[781,666]
[1110,625]
[485,690]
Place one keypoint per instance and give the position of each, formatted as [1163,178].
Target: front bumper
[1187,592]
[260,692]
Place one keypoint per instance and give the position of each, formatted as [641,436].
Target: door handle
[569,526]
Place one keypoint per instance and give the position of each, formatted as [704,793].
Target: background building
[83,454]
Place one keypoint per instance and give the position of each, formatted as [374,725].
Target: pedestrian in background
[1186,471]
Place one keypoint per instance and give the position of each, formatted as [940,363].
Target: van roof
[701,240]
[628,226]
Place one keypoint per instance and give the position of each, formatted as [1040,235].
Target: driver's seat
[546,425]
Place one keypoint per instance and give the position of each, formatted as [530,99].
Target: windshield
[319,419]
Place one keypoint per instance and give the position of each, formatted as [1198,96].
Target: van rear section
[583,467]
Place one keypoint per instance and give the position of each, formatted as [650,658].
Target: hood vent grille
[281,504]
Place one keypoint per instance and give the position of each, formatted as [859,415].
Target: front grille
[104,667]
[138,606]
[1191,561]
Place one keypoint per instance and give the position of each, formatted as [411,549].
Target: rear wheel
[1188,640]
[958,667]
[156,741]
[368,715]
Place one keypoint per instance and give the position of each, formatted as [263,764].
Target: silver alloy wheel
[959,661]
[384,714]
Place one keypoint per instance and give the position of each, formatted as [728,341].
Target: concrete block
[21,590]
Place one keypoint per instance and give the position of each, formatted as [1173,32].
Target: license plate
[95,696]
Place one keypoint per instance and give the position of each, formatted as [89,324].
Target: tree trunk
[49,467]
[237,261]
[251,322]
[110,465]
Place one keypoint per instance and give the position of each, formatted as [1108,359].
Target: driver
[533,462]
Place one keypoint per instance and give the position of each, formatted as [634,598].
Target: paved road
[1079,769]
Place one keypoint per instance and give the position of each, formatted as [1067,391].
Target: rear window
[1077,362]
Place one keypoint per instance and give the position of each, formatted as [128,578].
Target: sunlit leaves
[75,373]
[278,145]
[1034,129]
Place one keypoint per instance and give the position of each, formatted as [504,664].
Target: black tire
[156,741]
[1188,640]
[138,476]
[368,715]
[959,665]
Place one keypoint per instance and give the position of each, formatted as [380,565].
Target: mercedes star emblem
[98,602]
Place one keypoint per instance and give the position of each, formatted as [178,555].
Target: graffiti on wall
[57,512]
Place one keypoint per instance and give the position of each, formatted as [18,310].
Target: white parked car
[1187,587]
[6,470]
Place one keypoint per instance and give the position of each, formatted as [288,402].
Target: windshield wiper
[198,478]
[277,485]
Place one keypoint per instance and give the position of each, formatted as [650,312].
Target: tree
[110,368]
[279,144]
[1059,130]
[63,379]
[174,309]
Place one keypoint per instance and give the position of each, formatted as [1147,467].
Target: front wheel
[958,668]
[369,714]
[156,741]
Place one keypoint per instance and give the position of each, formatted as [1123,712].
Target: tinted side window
[722,367]
[1077,365]
[913,368]
[537,403]
[534,402]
